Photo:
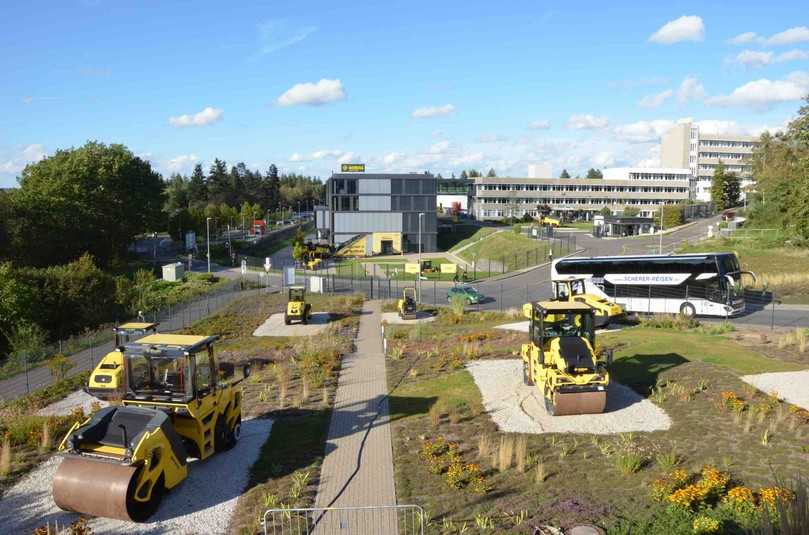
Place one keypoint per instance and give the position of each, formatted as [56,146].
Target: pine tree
[197,190]
[464,175]
[491,173]
[564,174]
[718,187]
[218,182]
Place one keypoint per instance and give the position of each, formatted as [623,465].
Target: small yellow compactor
[573,289]
[178,404]
[560,358]
[407,304]
[107,379]
[297,307]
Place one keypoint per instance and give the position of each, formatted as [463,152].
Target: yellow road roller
[560,358]
[574,289]
[297,307]
[107,379]
[178,404]
[407,304]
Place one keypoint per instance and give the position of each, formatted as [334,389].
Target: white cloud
[655,101]
[280,33]
[313,94]
[603,159]
[439,147]
[181,163]
[467,159]
[539,124]
[650,159]
[392,158]
[17,160]
[491,138]
[323,154]
[207,116]
[432,111]
[346,157]
[792,55]
[744,38]
[798,34]
[690,89]
[754,58]
[586,121]
[643,131]
[686,28]
[762,94]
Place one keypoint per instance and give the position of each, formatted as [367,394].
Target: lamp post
[208,240]
[660,249]
[421,214]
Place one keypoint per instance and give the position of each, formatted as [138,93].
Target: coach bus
[707,284]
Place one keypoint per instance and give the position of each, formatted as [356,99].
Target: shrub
[629,462]
[704,525]
[59,365]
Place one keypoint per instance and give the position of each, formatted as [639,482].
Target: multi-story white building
[685,146]
[641,188]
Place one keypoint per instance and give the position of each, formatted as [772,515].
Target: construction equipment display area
[276,326]
[394,318]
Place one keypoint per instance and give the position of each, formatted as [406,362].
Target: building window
[411,186]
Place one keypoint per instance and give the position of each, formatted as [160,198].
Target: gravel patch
[78,399]
[203,503]
[275,326]
[393,318]
[522,326]
[790,386]
[518,408]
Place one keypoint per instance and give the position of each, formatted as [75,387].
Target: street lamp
[208,239]
[421,214]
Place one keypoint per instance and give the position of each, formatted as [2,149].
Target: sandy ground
[517,408]
[65,406]
[790,386]
[522,326]
[203,503]
[393,318]
[274,326]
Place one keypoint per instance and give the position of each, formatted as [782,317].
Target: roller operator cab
[407,304]
[107,380]
[560,358]
[297,307]
[574,289]
[178,404]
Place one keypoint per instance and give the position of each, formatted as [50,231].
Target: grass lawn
[564,479]
[462,235]
[581,225]
[784,270]
[508,250]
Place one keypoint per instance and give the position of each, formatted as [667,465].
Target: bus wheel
[687,310]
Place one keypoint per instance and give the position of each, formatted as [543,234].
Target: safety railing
[365,520]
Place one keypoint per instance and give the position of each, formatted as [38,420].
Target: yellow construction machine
[297,307]
[560,358]
[107,379]
[407,304]
[573,289]
[546,221]
[178,404]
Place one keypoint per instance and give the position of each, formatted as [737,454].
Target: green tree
[464,175]
[606,211]
[718,187]
[197,189]
[630,211]
[673,215]
[491,173]
[564,174]
[94,199]
[27,341]
[733,190]
[218,183]
[59,365]
[594,173]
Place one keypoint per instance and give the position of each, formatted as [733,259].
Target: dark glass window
[405,203]
[345,204]
[339,186]
[411,186]
[420,203]
[352,187]
[428,186]
[396,186]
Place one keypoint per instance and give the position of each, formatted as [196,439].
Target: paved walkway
[358,468]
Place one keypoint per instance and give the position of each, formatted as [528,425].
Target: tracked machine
[560,358]
[178,404]
[574,289]
[107,379]
[407,304]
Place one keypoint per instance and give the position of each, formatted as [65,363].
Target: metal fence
[361,520]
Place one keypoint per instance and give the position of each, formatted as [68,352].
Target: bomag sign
[352,168]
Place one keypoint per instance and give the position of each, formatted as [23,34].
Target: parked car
[471,295]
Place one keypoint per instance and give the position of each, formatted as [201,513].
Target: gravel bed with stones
[789,386]
[517,408]
[66,405]
[203,503]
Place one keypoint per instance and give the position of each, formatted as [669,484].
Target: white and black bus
[708,284]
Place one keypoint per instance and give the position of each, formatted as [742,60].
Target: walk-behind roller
[406,306]
[560,358]
[118,462]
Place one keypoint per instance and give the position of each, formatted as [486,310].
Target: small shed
[173,272]
[618,226]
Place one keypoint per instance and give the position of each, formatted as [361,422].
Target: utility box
[316,285]
[173,272]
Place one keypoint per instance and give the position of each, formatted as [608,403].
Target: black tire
[233,435]
[221,437]
[687,310]
[286,319]
[141,511]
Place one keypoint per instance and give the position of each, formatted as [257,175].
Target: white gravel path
[275,326]
[203,503]
[517,408]
[522,327]
[65,406]
[792,387]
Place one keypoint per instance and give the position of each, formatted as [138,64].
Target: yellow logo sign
[352,168]
[449,268]
[412,268]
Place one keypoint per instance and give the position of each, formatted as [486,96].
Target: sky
[400,86]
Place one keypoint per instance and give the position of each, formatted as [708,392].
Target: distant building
[640,188]
[685,146]
[454,192]
[379,213]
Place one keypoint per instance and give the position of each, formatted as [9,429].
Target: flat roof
[380,176]
[183,341]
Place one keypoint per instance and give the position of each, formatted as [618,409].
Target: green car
[468,293]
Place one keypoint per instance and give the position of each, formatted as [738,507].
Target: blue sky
[403,86]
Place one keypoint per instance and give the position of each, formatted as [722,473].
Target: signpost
[352,168]
[267,264]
